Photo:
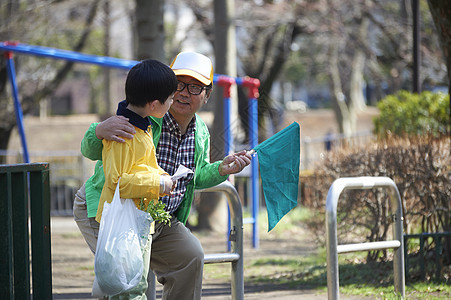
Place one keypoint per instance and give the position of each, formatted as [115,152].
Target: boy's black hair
[149,80]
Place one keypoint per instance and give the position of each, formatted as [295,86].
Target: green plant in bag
[157,212]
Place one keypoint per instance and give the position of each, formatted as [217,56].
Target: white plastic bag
[123,234]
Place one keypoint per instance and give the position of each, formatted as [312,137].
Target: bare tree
[440,11]
[212,206]
[354,43]
[10,30]
[267,46]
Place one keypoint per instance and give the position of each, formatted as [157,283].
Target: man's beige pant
[177,257]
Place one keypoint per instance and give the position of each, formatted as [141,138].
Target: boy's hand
[167,185]
[115,128]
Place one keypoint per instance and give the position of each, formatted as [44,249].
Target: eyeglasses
[193,89]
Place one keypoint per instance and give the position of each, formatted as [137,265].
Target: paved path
[72,264]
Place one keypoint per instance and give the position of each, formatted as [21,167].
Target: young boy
[149,89]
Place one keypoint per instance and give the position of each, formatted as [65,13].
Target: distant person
[181,137]
[328,140]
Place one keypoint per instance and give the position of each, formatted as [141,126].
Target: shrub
[420,167]
[413,114]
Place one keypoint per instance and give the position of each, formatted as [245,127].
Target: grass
[373,279]
[71,235]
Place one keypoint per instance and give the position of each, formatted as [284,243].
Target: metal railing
[235,256]
[68,171]
[437,237]
[333,249]
[19,184]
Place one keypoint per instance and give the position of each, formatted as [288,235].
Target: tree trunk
[358,65]
[441,15]
[150,29]
[5,133]
[356,99]
[338,98]
[106,52]
[8,120]
[440,11]
[213,206]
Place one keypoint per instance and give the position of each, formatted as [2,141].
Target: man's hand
[115,128]
[234,163]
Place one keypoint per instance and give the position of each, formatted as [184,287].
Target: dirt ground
[72,264]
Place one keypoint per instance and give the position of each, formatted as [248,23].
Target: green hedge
[413,114]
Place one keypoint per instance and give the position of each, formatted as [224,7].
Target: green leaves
[157,212]
[409,114]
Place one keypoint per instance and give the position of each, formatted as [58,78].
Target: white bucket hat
[195,65]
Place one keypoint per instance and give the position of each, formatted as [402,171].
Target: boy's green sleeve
[91,146]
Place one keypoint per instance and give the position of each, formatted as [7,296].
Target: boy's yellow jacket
[135,163]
